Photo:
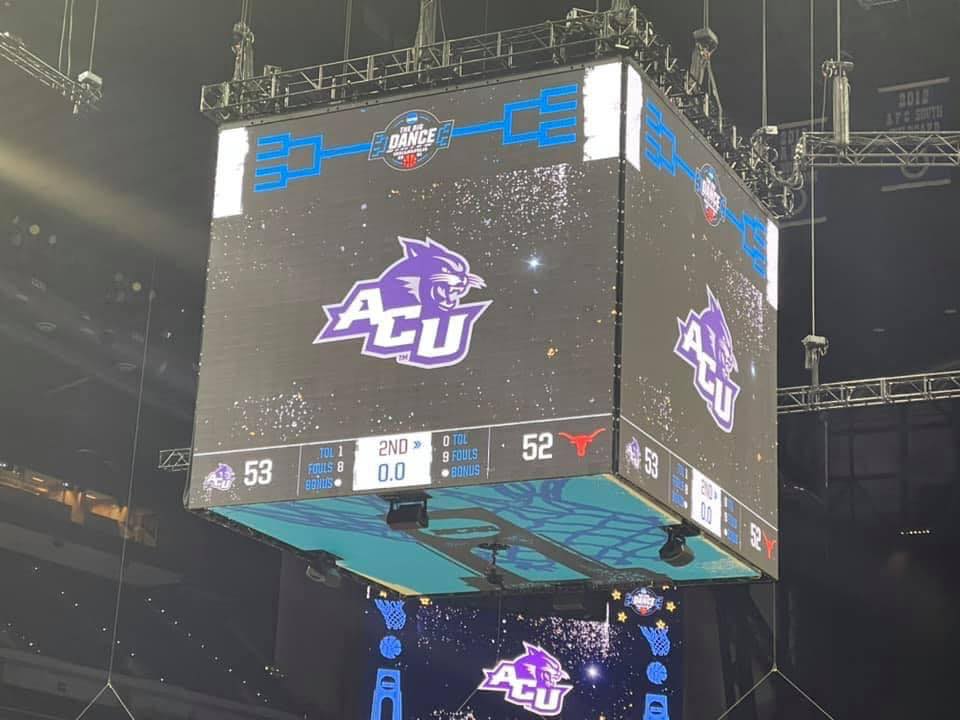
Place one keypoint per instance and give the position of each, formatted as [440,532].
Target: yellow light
[621,617]
[671,606]
[383,593]
[616,594]
[426,602]
[661,625]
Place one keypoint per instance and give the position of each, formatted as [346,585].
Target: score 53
[258,472]
[537,446]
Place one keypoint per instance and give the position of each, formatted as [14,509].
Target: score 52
[537,446]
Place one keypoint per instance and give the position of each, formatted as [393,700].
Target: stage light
[408,513]
[593,672]
[675,551]
[533,263]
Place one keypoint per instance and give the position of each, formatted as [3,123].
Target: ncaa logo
[711,199]
[411,140]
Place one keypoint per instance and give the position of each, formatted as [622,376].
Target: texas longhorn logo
[581,442]
[533,681]
[705,345]
[412,312]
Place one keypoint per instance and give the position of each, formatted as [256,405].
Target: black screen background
[543,349]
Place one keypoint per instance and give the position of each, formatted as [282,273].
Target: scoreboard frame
[465,456]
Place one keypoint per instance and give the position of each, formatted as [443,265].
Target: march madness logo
[533,681]
[705,345]
[411,140]
[413,311]
[708,188]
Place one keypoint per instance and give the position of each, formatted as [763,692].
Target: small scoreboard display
[424,293]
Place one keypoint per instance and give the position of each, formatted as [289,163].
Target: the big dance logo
[711,199]
[533,681]
[705,345]
[412,311]
[411,140]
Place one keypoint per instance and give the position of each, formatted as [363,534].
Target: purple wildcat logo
[221,478]
[532,681]
[413,311]
[706,346]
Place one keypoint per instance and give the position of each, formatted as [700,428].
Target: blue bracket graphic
[387,687]
[661,148]
[280,147]
[662,152]
[561,100]
[549,103]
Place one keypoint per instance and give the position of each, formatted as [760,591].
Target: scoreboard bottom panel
[592,528]
[385,464]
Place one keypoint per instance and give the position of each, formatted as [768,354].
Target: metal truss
[582,36]
[874,391]
[880,149]
[174,459]
[82,95]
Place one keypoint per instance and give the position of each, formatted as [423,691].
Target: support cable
[775,670]
[346,30]
[443,28]
[63,33]
[838,30]
[73,7]
[813,224]
[763,64]
[93,38]
[108,685]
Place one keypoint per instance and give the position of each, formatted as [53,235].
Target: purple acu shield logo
[705,345]
[413,311]
[532,681]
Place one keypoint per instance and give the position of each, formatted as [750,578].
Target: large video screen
[623,661]
[698,403]
[410,294]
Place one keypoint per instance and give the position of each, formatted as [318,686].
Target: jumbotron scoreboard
[524,299]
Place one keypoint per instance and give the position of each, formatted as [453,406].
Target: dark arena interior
[449,360]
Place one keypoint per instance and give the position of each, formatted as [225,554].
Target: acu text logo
[412,312]
[532,681]
[705,345]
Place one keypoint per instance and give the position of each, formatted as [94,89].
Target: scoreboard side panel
[699,426]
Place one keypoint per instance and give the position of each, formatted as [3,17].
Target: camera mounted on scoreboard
[408,511]
[675,550]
